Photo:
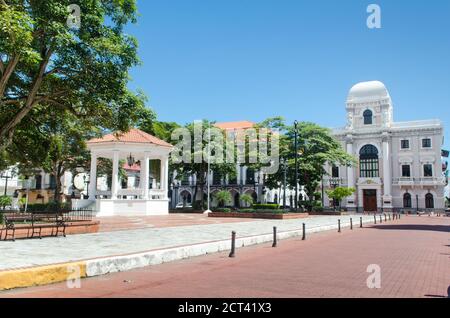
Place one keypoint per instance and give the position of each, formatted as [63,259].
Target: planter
[256,215]
[328,213]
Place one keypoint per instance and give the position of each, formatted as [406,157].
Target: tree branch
[31,100]
[7,73]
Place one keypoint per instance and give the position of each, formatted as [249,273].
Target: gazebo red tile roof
[134,135]
[235,125]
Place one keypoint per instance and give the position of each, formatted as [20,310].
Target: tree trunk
[59,172]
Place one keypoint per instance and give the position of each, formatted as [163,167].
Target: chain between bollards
[304,232]
[351,224]
[339,225]
[274,237]
[233,244]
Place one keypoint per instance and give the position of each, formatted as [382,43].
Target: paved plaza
[119,223]
[28,253]
[413,254]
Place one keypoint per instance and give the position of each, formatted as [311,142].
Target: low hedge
[246,210]
[266,206]
[260,211]
[225,210]
[48,207]
[1,217]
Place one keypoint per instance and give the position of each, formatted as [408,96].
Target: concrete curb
[43,275]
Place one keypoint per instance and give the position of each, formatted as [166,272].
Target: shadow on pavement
[413,227]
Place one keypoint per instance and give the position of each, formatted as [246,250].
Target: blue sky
[230,60]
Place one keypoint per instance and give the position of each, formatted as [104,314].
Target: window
[335,172]
[250,176]
[429,201]
[426,143]
[407,200]
[38,181]
[427,170]
[217,178]
[406,171]
[52,182]
[368,162]
[367,117]
[404,144]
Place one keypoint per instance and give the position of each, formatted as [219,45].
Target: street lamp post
[283,164]
[296,165]
[208,173]
[334,182]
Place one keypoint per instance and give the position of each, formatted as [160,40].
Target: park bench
[34,223]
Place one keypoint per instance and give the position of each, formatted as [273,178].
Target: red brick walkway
[413,253]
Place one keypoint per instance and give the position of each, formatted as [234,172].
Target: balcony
[404,181]
[432,181]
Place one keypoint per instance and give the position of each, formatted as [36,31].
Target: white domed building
[399,163]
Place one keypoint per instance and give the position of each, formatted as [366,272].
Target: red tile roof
[235,125]
[134,135]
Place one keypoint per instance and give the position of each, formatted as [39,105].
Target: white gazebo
[148,196]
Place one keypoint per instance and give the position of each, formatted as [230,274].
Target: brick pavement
[413,254]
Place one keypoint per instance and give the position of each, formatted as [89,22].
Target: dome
[367,91]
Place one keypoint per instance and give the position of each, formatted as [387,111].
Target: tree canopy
[47,64]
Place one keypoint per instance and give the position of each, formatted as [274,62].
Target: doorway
[370,200]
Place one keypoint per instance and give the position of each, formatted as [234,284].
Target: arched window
[367,117]
[407,200]
[429,201]
[368,162]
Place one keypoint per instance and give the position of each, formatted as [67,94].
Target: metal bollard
[360,221]
[304,232]
[339,225]
[351,224]
[374,219]
[274,237]
[233,244]
[381,219]
[385,217]
[399,216]
[389,216]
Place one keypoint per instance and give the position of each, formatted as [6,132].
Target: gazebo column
[164,174]
[145,172]
[92,177]
[115,175]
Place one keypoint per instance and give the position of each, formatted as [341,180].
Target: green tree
[247,199]
[45,62]
[200,169]
[316,147]
[161,129]
[54,143]
[340,193]
[5,200]
[223,198]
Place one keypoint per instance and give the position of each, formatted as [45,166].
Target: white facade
[399,163]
